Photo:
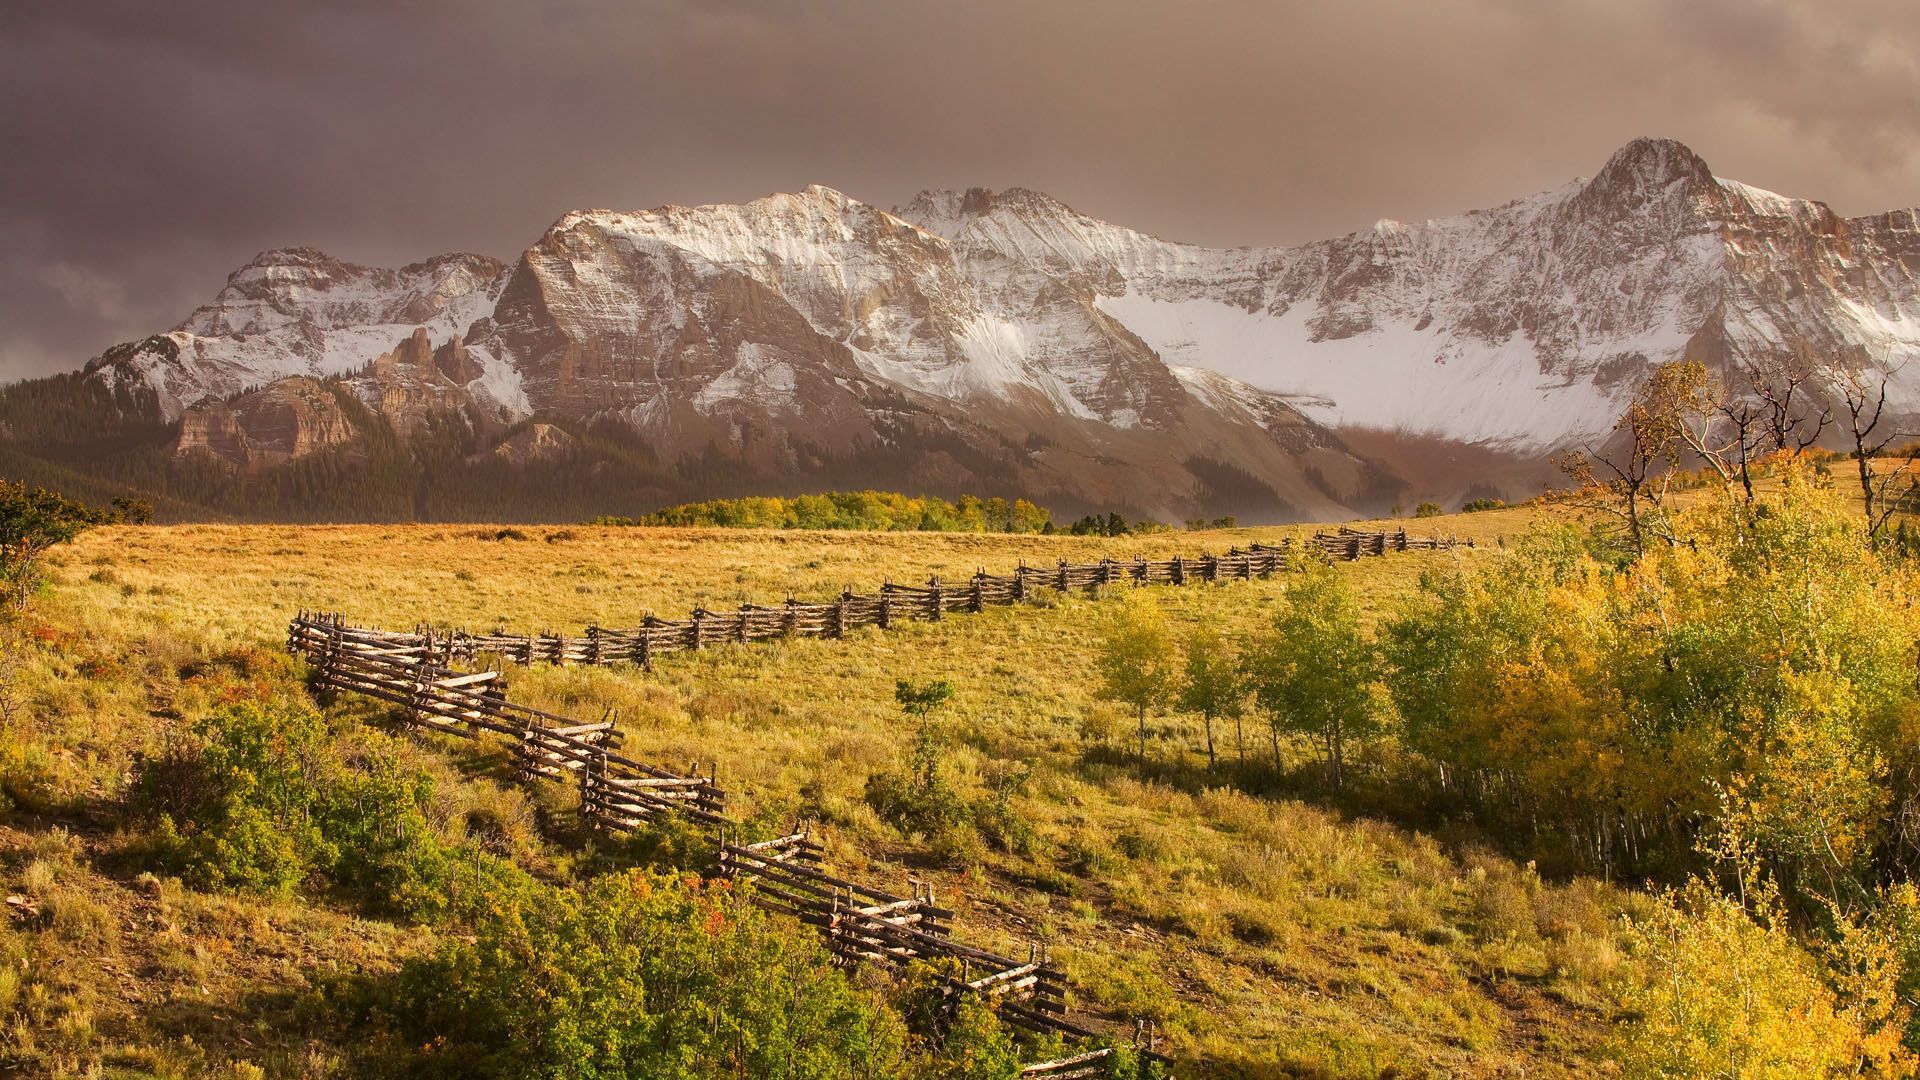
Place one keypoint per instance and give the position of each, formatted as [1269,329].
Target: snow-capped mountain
[1526,326]
[980,335]
[298,311]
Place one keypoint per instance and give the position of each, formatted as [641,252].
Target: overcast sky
[147,149]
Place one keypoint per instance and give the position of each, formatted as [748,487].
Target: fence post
[979,600]
[336,641]
[590,775]
[1020,581]
[886,605]
[422,684]
[1179,570]
[838,628]
[1063,575]
[933,596]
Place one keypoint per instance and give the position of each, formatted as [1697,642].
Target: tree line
[1717,694]
[877,511]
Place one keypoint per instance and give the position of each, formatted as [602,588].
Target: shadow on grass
[1400,792]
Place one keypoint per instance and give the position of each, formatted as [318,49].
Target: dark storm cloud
[146,149]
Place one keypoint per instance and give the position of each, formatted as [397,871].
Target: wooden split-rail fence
[894,603]
[1350,544]
[619,793]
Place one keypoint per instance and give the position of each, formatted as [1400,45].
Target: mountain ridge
[1052,351]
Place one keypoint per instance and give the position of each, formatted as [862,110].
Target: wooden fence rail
[896,603]
[416,672]
[409,671]
[618,793]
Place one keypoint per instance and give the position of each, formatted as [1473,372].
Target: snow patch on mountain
[500,384]
[1392,377]
[759,375]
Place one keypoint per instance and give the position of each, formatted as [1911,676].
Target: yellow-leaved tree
[1137,664]
[1727,991]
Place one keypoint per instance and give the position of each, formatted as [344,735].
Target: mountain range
[993,342]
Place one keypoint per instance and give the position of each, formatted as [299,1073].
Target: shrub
[262,799]
[995,816]
[1427,510]
[29,778]
[968,1039]
[243,793]
[920,802]
[641,975]
[1727,992]
[32,522]
[1477,506]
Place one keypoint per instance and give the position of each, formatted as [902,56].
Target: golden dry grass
[1269,937]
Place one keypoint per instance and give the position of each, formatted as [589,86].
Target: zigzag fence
[619,794]
[892,604]
[1350,544]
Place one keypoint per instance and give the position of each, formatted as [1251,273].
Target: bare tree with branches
[1742,431]
[1786,397]
[1882,491]
[1632,481]
[1720,429]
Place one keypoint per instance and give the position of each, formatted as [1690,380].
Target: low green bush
[641,975]
[920,801]
[262,798]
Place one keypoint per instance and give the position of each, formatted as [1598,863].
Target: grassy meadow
[1267,928]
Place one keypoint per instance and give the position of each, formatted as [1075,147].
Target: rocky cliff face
[289,419]
[1002,339]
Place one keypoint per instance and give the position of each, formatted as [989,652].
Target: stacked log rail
[1350,544]
[409,670]
[618,794]
[895,603]
[1078,1067]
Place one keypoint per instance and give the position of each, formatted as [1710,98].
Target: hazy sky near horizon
[147,149]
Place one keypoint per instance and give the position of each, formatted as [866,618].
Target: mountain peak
[826,194]
[1646,167]
[945,211]
[297,255]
